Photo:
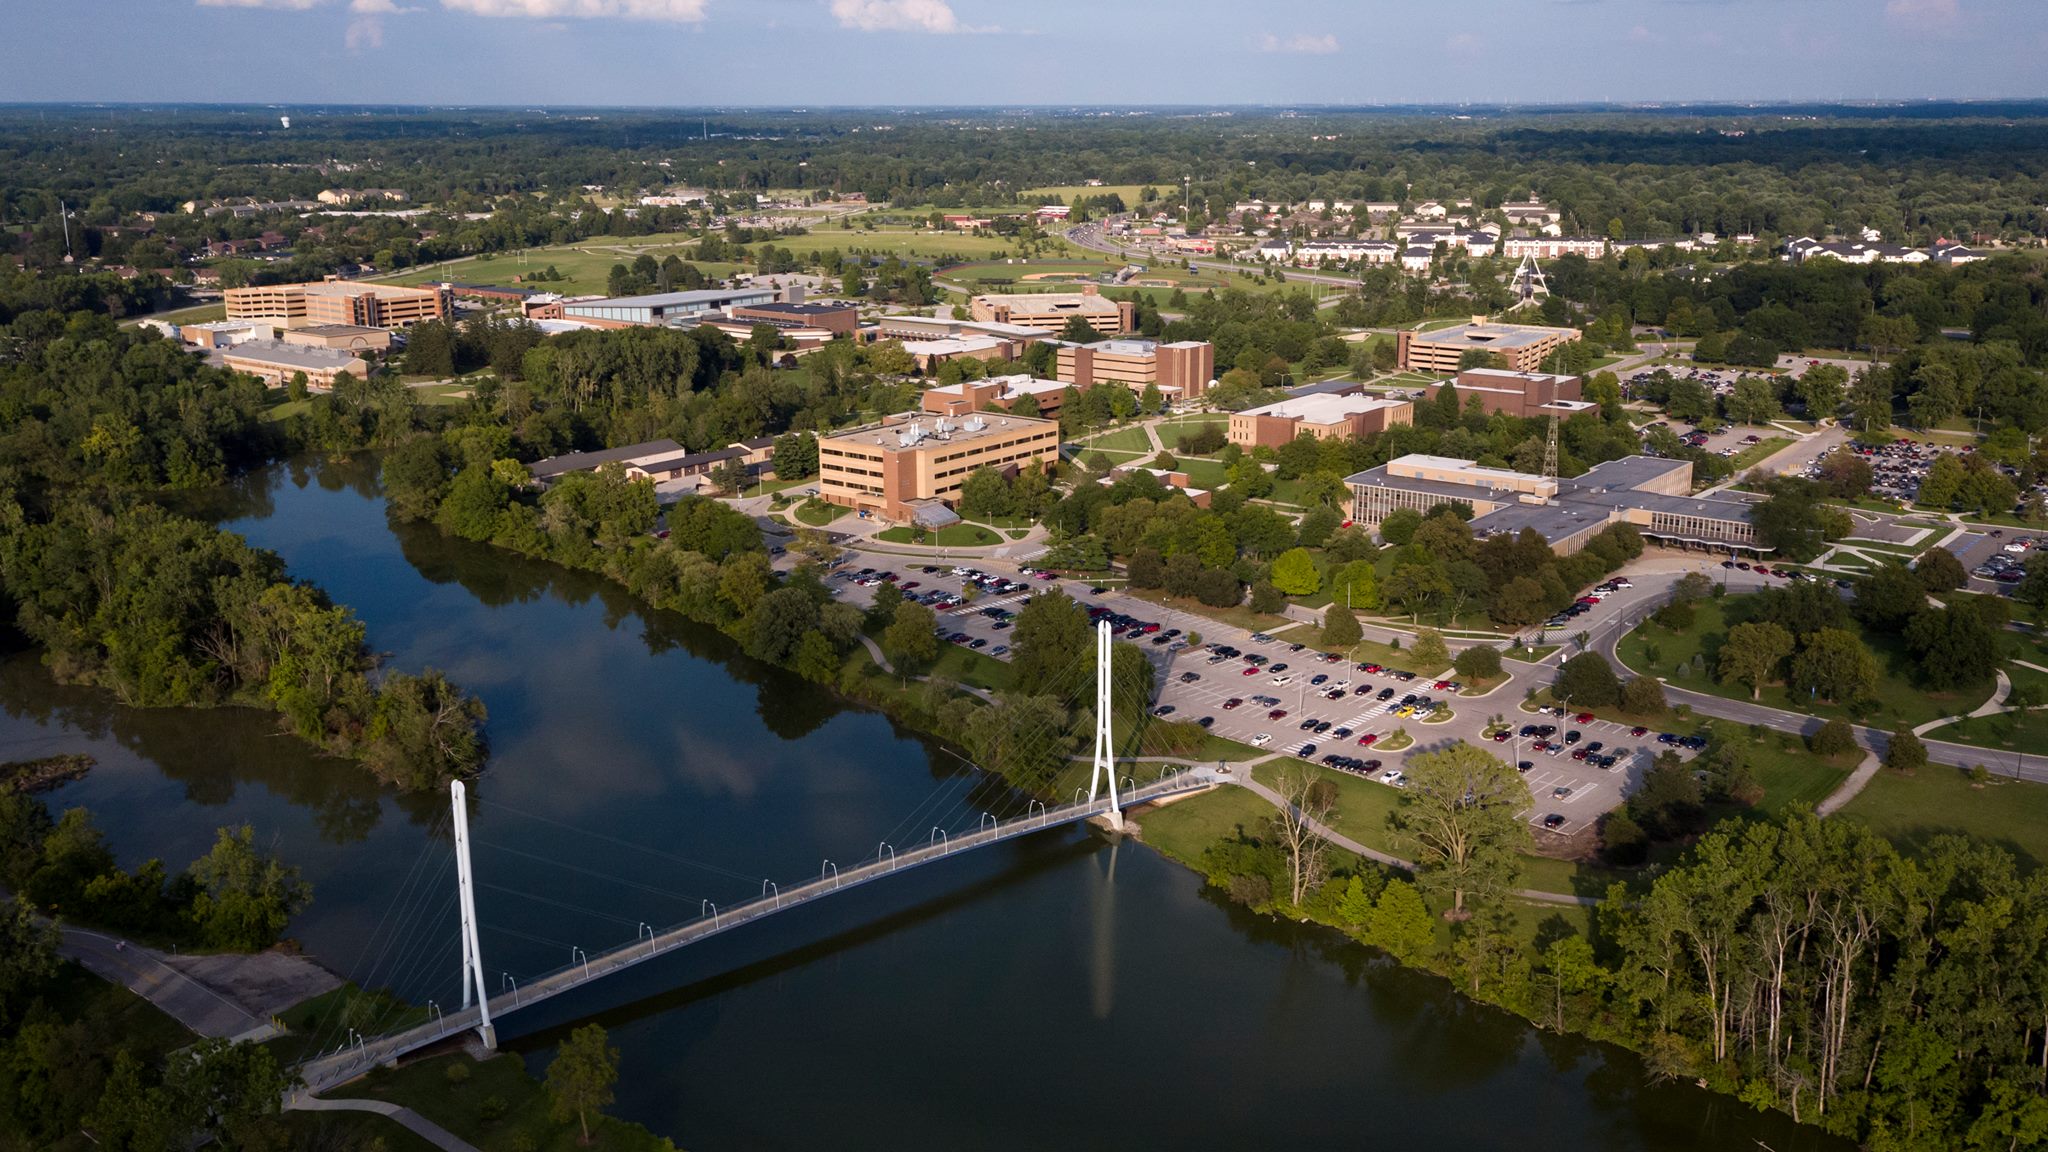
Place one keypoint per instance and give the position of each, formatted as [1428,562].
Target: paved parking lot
[1590,790]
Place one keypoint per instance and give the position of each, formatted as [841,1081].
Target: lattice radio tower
[1550,451]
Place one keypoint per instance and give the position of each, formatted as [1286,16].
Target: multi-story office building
[1321,416]
[1523,346]
[911,465]
[1003,392]
[1050,311]
[667,308]
[338,302]
[1182,370]
[1516,393]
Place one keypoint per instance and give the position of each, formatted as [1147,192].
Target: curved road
[1652,591]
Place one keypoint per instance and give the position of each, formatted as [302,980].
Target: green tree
[1399,924]
[1429,650]
[1643,696]
[1952,646]
[1834,738]
[1587,680]
[1905,752]
[227,1091]
[1479,662]
[245,898]
[1754,400]
[1939,571]
[1889,597]
[423,731]
[1834,665]
[1460,810]
[28,956]
[1400,525]
[1355,585]
[1340,628]
[910,641]
[1752,653]
[1294,572]
[1050,647]
[580,1077]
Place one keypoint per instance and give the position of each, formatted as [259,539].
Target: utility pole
[472,955]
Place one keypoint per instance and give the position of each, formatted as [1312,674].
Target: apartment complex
[911,467]
[1649,493]
[1182,370]
[1523,346]
[1049,311]
[1320,416]
[338,302]
[1516,393]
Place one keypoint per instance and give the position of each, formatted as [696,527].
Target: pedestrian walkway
[144,973]
[419,1125]
[1836,800]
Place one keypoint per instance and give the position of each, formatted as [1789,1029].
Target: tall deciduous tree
[1461,810]
[1307,804]
[1752,653]
[580,1077]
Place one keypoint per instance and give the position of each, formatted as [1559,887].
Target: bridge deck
[338,1067]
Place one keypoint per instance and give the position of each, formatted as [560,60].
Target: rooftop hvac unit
[973,424]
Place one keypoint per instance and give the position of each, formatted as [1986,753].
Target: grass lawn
[1758,451]
[1128,193]
[311,1025]
[352,1130]
[2002,736]
[197,314]
[1185,828]
[952,536]
[1789,773]
[1911,810]
[1899,700]
[461,1108]
[1238,617]
[966,666]
[1121,440]
[817,513]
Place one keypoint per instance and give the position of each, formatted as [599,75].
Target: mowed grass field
[1068,193]
[584,266]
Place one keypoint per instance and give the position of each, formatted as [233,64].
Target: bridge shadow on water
[796,939]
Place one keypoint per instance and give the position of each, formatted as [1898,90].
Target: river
[1061,991]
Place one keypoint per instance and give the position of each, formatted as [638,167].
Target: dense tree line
[166,611]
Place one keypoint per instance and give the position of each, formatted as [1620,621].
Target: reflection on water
[1056,991]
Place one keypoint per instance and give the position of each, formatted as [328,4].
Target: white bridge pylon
[1105,747]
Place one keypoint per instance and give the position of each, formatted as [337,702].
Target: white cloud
[935,16]
[1924,15]
[285,5]
[675,11]
[1300,42]
[364,32]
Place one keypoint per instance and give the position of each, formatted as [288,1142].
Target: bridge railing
[362,1055]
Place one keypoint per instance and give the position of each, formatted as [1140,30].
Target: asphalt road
[139,970]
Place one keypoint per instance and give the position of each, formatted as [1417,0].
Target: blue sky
[795,52]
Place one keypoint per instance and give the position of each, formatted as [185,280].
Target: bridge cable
[621,842]
[411,889]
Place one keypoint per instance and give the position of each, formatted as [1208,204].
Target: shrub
[1834,738]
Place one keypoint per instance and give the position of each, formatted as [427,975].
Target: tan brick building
[1050,311]
[912,461]
[1319,416]
[1523,346]
[338,302]
[1182,370]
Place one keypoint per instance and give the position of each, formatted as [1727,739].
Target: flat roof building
[911,464]
[838,319]
[1049,311]
[1001,391]
[338,302]
[1515,393]
[1647,492]
[275,362]
[1322,416]
[670,308]
[1181,370]
[347,337]
[935,340]
[557,466]
[1523,346]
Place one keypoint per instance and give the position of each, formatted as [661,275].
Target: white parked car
[1283,678]
[1262,739]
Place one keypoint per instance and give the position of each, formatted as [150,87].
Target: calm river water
[1064,991]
